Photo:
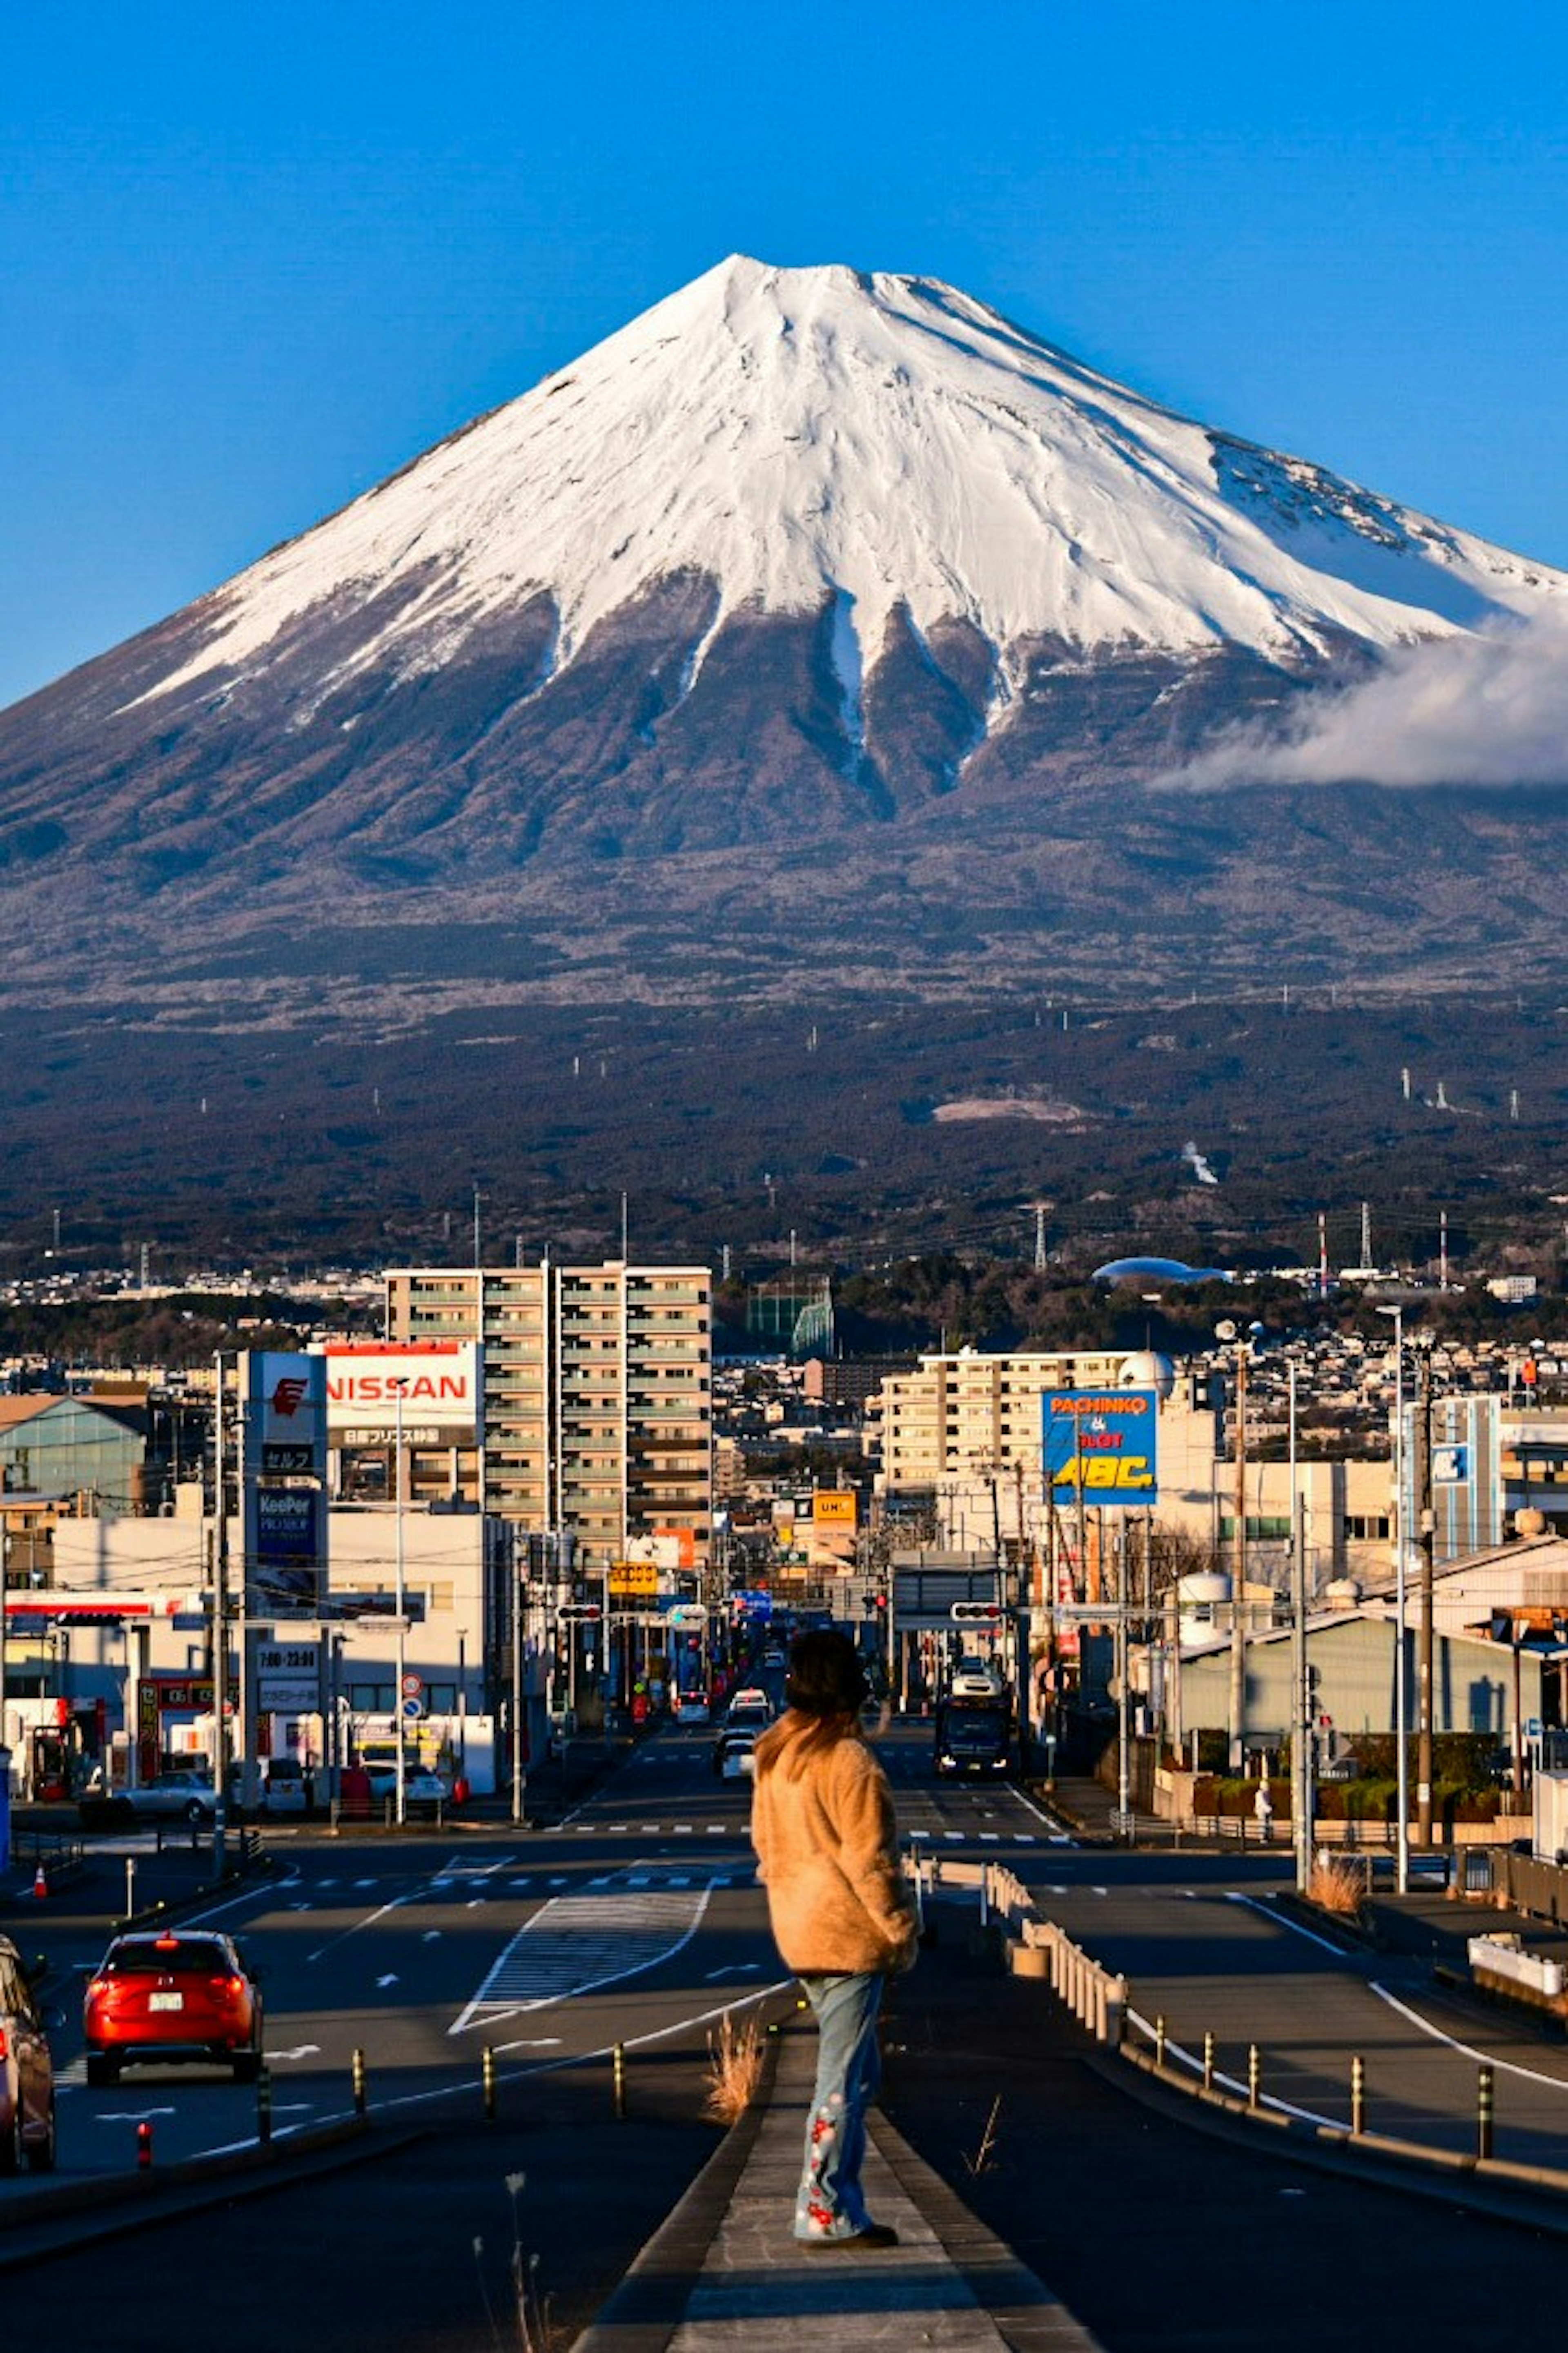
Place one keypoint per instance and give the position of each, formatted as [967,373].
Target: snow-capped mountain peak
[883,442]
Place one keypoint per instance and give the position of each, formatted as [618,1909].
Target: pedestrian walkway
[725,2271]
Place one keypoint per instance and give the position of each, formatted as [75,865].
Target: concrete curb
[650,2305]
[1534,2196]
[1031,2317]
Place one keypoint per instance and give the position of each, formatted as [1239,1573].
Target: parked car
[175,1796]
[26,2072]
[423,1790]
[182,1995]
[284,1787]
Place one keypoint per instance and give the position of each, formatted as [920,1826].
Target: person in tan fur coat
[827,1848]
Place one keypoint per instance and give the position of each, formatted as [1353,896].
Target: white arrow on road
[383,1982]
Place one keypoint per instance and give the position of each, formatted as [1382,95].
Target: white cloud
[1486,709]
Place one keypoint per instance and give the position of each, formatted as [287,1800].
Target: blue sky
[253,258]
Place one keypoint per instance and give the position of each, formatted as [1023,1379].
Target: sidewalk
[725,2271]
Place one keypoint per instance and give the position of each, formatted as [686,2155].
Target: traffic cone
[40,1885]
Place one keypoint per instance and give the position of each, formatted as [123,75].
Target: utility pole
[1302,1775]
[219,1629]
[1425,1536]
[4,1632]
[1238,1573]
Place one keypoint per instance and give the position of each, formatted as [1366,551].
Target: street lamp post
[1401,1707]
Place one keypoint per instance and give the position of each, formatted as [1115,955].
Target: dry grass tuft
[735,2069]
[1338,1885]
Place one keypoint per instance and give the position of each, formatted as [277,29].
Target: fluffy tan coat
[826,1848]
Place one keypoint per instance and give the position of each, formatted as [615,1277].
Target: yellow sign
[633,1576]
[833,1507]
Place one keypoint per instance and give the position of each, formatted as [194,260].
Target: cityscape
[784,1236]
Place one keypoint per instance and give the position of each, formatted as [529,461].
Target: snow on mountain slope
[805,435]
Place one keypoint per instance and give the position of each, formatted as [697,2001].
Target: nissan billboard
[439,1382]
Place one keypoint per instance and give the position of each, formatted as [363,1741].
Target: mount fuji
[813,623]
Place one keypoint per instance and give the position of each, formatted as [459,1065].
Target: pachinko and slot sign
[1102,1444]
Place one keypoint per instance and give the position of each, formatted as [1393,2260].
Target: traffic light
[879,1601]
[978,1614]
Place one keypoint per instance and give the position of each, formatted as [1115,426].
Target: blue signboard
[289,1548]
[1102,1444]
[284,1484]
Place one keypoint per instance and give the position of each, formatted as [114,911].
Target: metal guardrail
[51,1852]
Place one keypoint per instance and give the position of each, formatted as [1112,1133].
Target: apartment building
[598,1413]
[962,1409]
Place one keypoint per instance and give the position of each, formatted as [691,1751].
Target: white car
[975,1679]
[284,1789]
[423,1791]
[734,1754]
[175,1796]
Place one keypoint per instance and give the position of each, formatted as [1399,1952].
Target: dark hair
[826,1677]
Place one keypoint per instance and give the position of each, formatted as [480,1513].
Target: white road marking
[353,1929]
[301,2051]
[383,1983]
[1283,1920]
[432,1937]
[575,1943]
[1467,2050]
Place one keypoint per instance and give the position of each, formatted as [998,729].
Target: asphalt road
[635,1922]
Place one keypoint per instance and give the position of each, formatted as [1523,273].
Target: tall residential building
[598,1393]
[954,1413]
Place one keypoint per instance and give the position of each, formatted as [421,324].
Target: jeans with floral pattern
[830,2205]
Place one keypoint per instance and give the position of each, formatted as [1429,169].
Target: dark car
[973,1737]
[26,2072]
[182,1995]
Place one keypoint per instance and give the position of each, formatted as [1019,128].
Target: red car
[183,1995]
[26,2076]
